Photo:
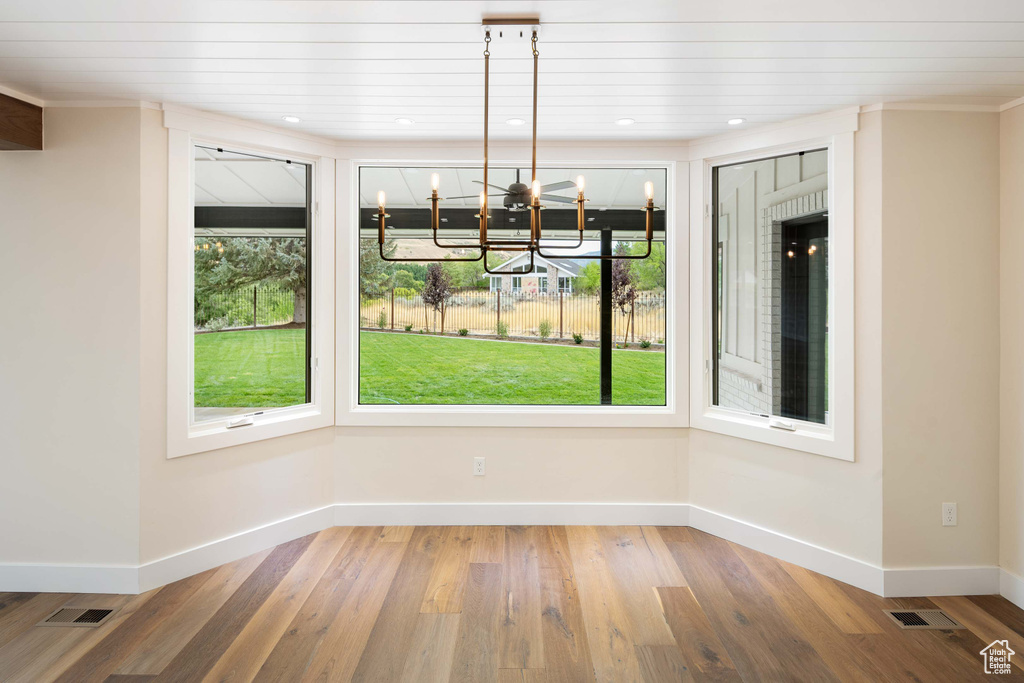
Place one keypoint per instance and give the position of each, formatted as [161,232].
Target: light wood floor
[503,604]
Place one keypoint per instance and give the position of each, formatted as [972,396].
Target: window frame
[835,440]
[675,414]
[184,436]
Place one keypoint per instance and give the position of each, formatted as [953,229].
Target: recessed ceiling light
[291,119]
[515,122]
[735,122]
[405,122]
[624,122]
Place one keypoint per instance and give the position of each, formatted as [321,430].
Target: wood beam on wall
[21,124]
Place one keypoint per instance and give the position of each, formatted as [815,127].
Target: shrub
[502,329]
[408,328]
[217,324]
[661,341]
[544,329]
[463,332]
[645,343]
[382,319]
[406,292]
[578,338]
[423,331]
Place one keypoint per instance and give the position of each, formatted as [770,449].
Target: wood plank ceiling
[680,69]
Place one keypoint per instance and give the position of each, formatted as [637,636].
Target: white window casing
[835,439]
[184,437]
[674,414]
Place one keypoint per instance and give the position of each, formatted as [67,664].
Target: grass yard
[264,368]
[250,369]
[409,369]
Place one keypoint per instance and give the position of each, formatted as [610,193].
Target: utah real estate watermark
[997,657]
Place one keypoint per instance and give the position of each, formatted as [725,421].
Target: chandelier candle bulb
[649,190]
[435,182]
[380,201]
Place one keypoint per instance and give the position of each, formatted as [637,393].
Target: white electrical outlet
[478,467]
[949,514]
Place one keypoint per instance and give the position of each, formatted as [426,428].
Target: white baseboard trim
[926,581]
[828,562]
[888,582]
[209,555]
[67,578]
[1011,587]
[444,514]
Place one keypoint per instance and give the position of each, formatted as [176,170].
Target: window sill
[215,435]
[806,437]
[513,416]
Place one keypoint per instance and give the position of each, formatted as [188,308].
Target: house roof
[564,265]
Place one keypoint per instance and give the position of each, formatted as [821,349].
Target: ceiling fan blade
[556,198]
[565,184]
[476,196]
[496,187]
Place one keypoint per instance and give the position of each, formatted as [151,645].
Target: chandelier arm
[425,260]
[508,272]
[382,220]
[613,257]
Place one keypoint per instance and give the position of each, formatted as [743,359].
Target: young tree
[248,261]
[406,280]
[437,290]
[589,279]
[624,287]
[650,272]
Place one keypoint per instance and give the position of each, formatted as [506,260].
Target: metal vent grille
[923,619]
[81,617]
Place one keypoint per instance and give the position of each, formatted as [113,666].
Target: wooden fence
[521,315]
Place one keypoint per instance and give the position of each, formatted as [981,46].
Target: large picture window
[251,285]
[455,334]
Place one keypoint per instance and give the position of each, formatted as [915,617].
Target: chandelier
[533,245]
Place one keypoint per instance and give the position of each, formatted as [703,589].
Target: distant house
[549,276]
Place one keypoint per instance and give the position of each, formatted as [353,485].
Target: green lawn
[410,368]
[264,368]
[250,369]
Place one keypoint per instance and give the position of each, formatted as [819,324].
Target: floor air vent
[923,619]
[81,617]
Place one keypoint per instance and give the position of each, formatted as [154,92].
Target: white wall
[1011,395]
[940,336]
[187,502]
[830,503]
[423,464]
[86,222]
[69,347]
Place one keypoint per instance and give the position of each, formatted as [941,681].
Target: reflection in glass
[770,264]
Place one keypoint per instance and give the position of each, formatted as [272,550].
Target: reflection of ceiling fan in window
[517,196]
